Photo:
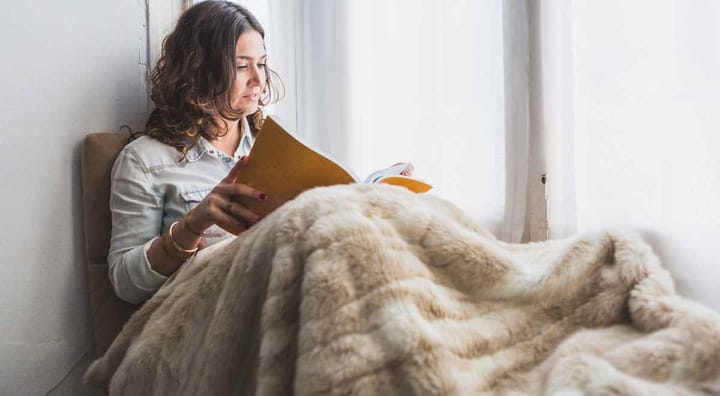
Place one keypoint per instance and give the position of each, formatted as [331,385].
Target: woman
[171,188]
[208,87]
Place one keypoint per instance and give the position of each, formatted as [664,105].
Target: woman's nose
[254,76]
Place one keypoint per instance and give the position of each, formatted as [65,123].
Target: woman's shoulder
[151,153]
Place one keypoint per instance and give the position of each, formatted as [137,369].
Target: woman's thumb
[232,175]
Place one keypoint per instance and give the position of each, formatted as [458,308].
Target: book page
[392,175]
[391,171]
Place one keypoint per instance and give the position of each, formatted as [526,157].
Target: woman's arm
[181,240]
[137,213]
[141,259]
[169,252]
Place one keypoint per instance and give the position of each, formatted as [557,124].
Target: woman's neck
[228,143]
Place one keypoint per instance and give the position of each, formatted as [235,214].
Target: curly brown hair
[193,79]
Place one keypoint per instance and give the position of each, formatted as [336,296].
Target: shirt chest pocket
[191,199]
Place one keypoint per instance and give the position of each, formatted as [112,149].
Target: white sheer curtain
[647,95]
[551,206]
[619,101]
[376,82]
[623,120]
[539,120]
[516,57]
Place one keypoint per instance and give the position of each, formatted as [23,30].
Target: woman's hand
[221,207]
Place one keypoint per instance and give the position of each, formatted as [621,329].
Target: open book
[280,165]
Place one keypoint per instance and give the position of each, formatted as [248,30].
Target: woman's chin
[251,106]
[247,109]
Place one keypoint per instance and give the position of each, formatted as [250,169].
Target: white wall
[68,69]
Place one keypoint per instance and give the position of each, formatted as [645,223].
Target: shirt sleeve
[137,212]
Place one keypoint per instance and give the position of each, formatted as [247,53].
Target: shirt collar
[203,146]
[247,140]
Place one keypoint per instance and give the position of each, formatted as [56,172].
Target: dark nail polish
[263,196]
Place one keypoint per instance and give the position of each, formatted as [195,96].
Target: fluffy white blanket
[373,290]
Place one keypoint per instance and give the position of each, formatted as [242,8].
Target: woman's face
[250,74]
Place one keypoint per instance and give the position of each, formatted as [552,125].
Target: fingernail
[263,196]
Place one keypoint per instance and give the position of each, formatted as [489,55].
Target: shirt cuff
[145,277]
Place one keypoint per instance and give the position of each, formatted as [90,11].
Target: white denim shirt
[150,189]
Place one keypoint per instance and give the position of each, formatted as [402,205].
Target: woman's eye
[243,67]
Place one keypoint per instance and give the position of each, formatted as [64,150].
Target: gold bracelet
[177,247]
[168,251]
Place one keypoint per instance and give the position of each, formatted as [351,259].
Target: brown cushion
[99,151]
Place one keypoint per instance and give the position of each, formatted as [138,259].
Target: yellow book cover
[280,165]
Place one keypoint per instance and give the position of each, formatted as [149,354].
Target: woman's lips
[252,96]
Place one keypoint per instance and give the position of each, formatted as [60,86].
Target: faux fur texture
[371,290]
